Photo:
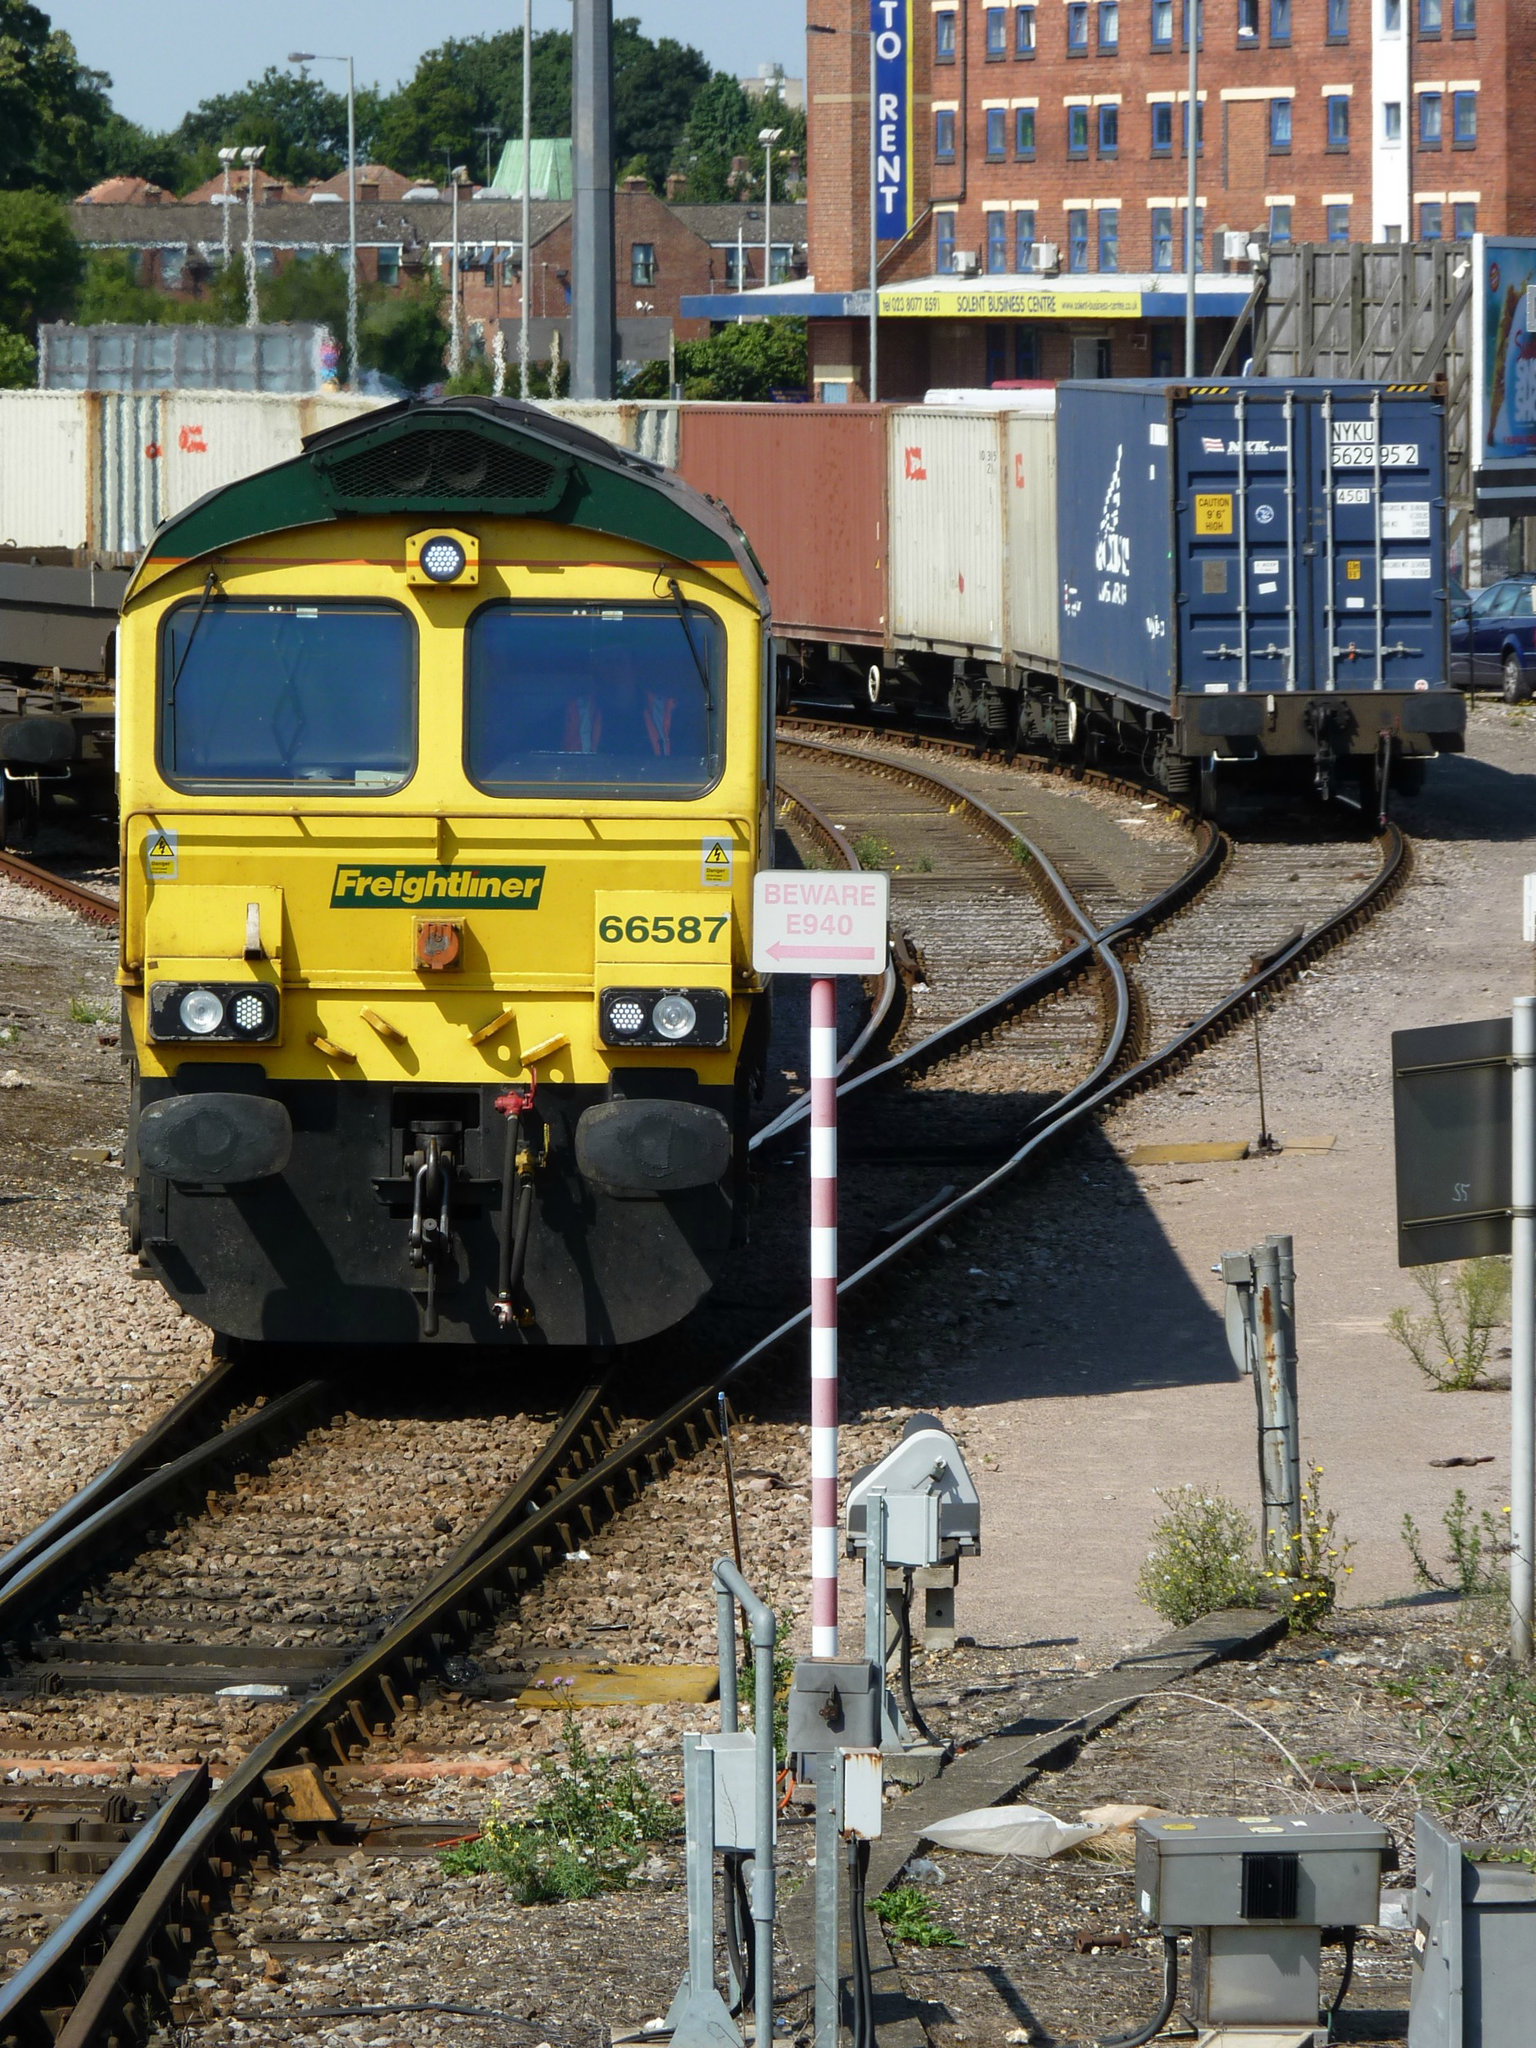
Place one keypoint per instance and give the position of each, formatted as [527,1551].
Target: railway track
[90,904]
[131,1942]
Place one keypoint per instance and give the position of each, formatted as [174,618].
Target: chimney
[152,195]
[367,188]
[677,185]
[635,184]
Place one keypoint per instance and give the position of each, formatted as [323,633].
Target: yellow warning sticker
[715,863]
[160,855]
[1352,571]
[1213,514]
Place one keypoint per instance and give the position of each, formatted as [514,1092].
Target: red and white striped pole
[823,1318]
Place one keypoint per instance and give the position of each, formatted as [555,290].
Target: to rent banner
[891,26]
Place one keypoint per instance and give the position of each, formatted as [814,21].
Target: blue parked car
[1493,642]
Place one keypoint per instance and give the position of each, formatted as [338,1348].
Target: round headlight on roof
[442,558]
[674,1017]
[201,1012]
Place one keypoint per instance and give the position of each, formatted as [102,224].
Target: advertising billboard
[890,24]
[1504,374]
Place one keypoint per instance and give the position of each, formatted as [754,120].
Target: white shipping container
[1029,500]
[44,469]
[947,581]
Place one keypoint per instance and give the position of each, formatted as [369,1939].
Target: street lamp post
[523,388]
[251,158]
[820,28]
[320,57]
[226,158]
[456,330]
[1192,150]
[768,137]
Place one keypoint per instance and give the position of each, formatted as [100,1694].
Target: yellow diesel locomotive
[446,762]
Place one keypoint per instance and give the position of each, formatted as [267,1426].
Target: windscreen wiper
[209,587]
[693,649]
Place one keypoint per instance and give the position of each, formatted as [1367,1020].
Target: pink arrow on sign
[780,951]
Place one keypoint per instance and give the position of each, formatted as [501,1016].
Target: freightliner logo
[374,888]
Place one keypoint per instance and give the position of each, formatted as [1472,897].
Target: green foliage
[1318,1559]
[871,851]
[301,123]
[110,293]
[1202,1557]
[39,259]
[50,105]
[404,333]
[585,1834]
[723,123]
[907,1915]
[1449,1344]
[1019,853]
[751,359]
[83,1011]
[1477,1735]
[469,81]
[1472,1549]
[18,361]
[125,150]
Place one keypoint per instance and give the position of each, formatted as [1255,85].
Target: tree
[300,123]
[469,81]
[125,150]
[50,105]
[39,261]
[751,359]
[18,361]
[110,293]
[723,123]
[403,333]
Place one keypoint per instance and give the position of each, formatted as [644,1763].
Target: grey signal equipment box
[1255,1894]
[834,1703]
[1474,1947]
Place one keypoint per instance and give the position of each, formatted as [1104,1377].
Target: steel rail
[87,903]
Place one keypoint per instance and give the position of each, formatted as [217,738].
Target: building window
[1199,7]
[1279,21]
[1247,21]
[1109,131]
[1162,24]
[944,37]
[997,241]
[944,136]
[997,34]
[1077,131]
[1338,121]
[1199,238]
[1199,128]
[997,352]
[1431,17]
[1109,26]
[1023,131]
[1026,351]
[1023,31]
[1392,17]
[1162,238]
[1337,218]
[389,266]
[1463,17]
[1338,21]
[1430,116]
[1464,120]
[1279,124]
[1109,238]
[1077,238]
[1279,227]
[1024,240]
[997,134]
[642,262]
[1464,220]
[943,243]
[1431,221]
[1077,28]
[1162,128]
[1392,121]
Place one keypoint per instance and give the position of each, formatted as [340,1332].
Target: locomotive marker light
[442,555]
[823,926]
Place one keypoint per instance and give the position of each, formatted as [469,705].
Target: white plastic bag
[1008,1831]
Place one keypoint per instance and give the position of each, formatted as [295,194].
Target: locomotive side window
[595,700]
[270,696]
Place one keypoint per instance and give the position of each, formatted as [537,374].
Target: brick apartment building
[1050,174]
[662,250]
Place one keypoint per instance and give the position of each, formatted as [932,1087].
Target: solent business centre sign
[890,24]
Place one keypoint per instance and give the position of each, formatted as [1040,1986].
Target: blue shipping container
[1254,536]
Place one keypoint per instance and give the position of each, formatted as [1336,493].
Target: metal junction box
[1474,1947]
[834,1703]
[1255,1894]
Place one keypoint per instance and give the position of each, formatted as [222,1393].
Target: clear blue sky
[166,55]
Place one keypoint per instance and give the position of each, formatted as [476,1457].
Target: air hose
[516,1220]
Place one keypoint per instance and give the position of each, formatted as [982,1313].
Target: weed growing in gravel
[1449,1344]
[907,1915]
[1474,1551]
[83,1011]
[584,1836]
[1477,1727]
[1202,1557]
[1318,1560]
[871,851]
[1019,853]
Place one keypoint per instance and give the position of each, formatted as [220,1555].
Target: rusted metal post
[1274,1383]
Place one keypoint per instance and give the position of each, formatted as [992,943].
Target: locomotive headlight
[442,559]
[442,555]
[675,1017]
[201,1012]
